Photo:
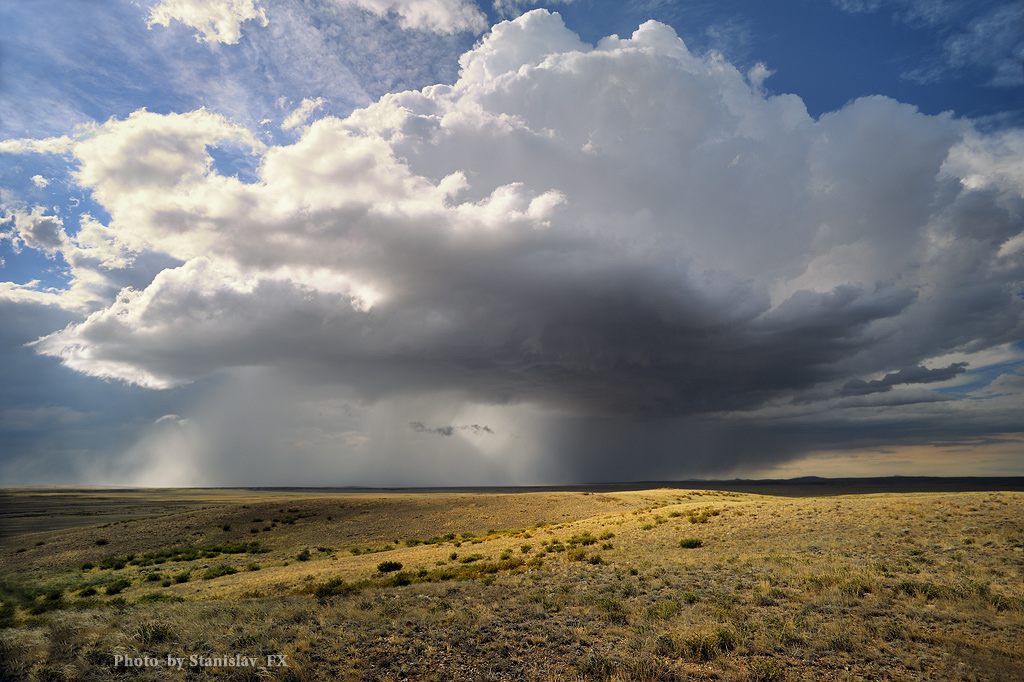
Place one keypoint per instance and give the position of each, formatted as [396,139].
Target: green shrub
[664,645]
[218,571]
[389,566]
[304,555]
[400,578]
[115,563]
[117,586]
[337,587]
[691,543]
[155,597]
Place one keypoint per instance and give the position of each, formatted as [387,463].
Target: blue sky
[401,242]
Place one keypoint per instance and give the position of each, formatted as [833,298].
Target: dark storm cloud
[907,375]
[449,430]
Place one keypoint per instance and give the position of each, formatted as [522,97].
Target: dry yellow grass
[536,586]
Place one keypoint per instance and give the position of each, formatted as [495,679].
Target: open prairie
[660,584]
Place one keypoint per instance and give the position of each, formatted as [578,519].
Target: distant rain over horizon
[404,242]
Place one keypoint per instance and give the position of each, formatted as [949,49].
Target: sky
[510,242]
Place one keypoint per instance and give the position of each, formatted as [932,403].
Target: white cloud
[438,16]
[302,113]
[52,145]
[994,40]
[39,181]
[626,228]
[513,8]
[35,230]
[986,37]
[214,20]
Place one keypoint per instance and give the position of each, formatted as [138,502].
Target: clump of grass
[691,543]
[148,634]
[611,610]
[702,646]
[578,554]
[304,555]
[596,667]
[702,515]
[584,538]
[764,669]
[389,566]
[663,610]
[926,590]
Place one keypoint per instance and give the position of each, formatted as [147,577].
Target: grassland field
[659,584]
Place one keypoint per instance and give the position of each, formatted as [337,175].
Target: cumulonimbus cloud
[626,228]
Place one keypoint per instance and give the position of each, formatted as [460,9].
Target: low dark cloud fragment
[908,375]
[449,430]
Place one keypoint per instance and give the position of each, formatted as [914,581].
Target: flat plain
[599,584]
